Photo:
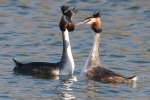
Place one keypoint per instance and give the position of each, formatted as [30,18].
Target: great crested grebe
[93,68]
[66,65]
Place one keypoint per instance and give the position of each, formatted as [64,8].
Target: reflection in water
[64,78]
[47,77]
[67,81]
[96,88]
[66,96]
[65,84]
[92,89]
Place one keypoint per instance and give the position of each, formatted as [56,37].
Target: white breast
[69,64]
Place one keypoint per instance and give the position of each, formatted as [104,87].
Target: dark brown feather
[62,24]
[97,26]
[38,68]
[70,27]
[106,76]
[66,25]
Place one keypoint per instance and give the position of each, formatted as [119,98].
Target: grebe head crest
[94,21]
[66,20]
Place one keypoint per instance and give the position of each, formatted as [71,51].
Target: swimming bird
[66,65]
[93,68]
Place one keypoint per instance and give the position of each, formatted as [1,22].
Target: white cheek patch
[92,20]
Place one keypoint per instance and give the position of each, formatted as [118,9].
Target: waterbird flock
[92,69]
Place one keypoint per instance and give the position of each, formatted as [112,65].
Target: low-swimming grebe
[66,65]
[93,68]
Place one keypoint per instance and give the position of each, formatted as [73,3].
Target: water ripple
[30,32]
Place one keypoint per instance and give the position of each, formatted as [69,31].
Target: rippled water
[29,32]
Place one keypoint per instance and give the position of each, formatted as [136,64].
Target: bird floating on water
[93,68]
[66,65]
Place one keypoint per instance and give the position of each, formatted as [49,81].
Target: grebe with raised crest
[93,68]
[66,65]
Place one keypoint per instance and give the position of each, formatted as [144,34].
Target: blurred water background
[29,31]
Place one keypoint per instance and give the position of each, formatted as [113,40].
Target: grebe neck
[67,58]
[94,55]
[96,48]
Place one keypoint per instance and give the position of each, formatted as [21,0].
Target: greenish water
[29,31]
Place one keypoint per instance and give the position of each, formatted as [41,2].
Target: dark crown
[64,9]
[96,14]
[68,12]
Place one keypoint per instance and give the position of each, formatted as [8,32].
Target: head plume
[94,21]
[96,14]
[64,9]
[66,21]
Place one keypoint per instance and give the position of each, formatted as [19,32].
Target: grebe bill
[93,68]
[66,65]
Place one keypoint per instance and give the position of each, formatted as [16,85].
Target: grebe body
[93,68]
[66,65]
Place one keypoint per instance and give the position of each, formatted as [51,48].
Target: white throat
[87,64]
[94,54]
[69,61]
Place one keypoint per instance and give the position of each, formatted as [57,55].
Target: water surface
[29,31]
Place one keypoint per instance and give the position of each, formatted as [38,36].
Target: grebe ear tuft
[64,9]
[74,10]
[96,14]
